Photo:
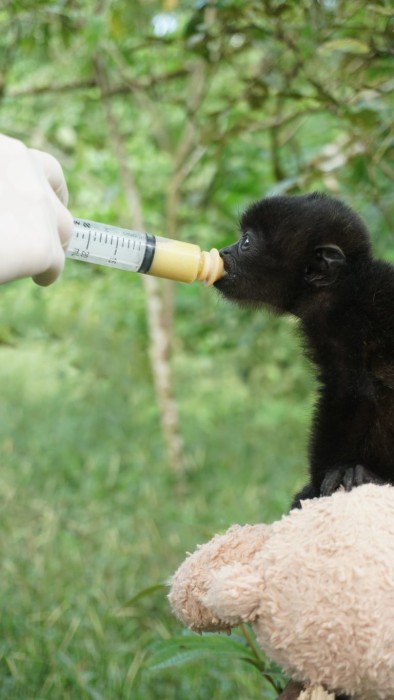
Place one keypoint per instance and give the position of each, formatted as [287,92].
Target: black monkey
[310,256]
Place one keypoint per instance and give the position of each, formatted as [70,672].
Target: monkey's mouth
[228,282]
[228,264]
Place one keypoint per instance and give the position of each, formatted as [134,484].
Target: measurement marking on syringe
[108,245]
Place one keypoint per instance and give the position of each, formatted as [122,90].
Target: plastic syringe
[134,251]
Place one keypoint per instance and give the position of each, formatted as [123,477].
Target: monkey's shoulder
[370,301]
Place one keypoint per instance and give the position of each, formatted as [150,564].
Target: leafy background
[202,107]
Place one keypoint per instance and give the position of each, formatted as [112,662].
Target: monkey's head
[293,250]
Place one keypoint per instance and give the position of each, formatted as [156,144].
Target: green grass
[89,512]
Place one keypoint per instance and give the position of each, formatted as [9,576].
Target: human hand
[35,225]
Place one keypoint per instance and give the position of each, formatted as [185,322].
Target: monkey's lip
[226,281]
[228,273]
[226,264]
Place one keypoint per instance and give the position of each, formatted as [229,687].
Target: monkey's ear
[325,265]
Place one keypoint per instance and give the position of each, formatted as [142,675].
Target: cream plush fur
[317,587]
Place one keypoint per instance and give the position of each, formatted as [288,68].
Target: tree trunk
[159,330]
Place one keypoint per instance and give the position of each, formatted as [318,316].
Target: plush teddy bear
[317,587]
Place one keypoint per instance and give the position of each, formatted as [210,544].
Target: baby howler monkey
[310,256]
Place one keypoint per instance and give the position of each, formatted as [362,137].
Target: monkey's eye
[244,243]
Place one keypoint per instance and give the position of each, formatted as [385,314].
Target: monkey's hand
[348,477]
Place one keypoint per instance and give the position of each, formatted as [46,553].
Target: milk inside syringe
[135,251]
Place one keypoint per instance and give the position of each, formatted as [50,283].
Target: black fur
[310,256]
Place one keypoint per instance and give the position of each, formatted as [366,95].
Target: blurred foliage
[219,102]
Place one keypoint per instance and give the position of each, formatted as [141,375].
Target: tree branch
[110,90]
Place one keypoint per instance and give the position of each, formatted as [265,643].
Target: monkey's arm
[338,453]
[350,437]
[341,436]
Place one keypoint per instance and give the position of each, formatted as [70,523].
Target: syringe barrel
[135,251]
[111,246]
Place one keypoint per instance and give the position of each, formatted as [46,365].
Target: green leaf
[380,10]
[189,648]
[144,593]
[354,46]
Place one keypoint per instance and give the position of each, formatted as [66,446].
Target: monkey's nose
[224,251]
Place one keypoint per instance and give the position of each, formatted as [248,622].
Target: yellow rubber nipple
[211,267]
[185,262]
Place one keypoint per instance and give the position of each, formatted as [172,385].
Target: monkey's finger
[331,482]
[350,476]
[365,476]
